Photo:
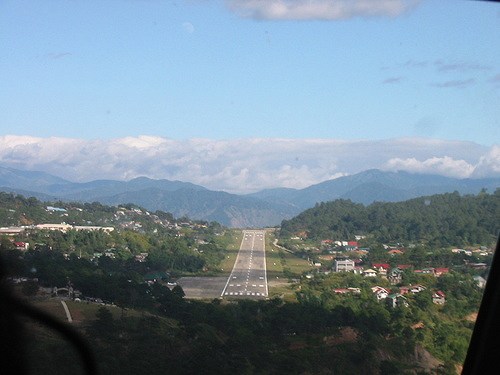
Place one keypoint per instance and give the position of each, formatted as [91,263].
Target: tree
[30,288]
[178,292]
[104,325]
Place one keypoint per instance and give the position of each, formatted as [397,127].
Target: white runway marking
[252,241]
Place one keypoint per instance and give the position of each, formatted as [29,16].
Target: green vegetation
[248,337]
[281,262]
[232,242]
[438,220]
[305,327]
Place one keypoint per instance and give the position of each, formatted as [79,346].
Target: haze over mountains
[265,208]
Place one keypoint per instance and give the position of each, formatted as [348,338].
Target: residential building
[380,293]
[369,273]
[343,265]
[439,298]
[396,299]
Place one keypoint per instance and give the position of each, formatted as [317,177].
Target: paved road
[66,310]
[248,278]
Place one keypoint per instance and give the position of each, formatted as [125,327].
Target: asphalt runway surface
[202,287]
[248,278]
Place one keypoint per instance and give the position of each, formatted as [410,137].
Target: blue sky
[251,69]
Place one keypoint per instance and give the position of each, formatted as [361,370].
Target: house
[480,281]
[11,231]
[58,227]
[354,290]
[438,271]
[404,266]
[358,270]
[141,257]
[458,251]
[351,246]
[110,254]
[380,293]
[425,271]
[395,276]
[23,246]
[417,288]
[340,291]
[381,268]
[91,228]
[404,290]
[396,299]
[55,209]
[343,265]
[347,291]
[439,298]
[369,273]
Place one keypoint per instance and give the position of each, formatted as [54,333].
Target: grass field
[282,265]
[278,261]
[232,251]
[80,311]
[52,306]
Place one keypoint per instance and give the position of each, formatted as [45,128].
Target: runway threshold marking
[247,236]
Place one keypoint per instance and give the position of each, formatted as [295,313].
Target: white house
[369,273]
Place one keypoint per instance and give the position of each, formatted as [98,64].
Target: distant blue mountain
[265,208]
[15,178]
[375,185]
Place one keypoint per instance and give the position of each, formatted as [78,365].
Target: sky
[242,95]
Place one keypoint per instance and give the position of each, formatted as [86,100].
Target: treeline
[439,220]
[17,210]
[176,245]
[249,337]
[321,333]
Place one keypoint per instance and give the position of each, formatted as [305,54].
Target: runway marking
[252,241]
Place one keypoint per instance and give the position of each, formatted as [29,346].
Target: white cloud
[319,9]
[445,166]
[244,165]
[489,164]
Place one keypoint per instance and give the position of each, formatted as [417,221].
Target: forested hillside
[181,245]
[333,322]
[438,220]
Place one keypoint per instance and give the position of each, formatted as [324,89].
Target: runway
[248,278]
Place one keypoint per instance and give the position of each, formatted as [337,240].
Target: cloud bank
[318,9]
[244,165]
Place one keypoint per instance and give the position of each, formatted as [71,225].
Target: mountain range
[264,208]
